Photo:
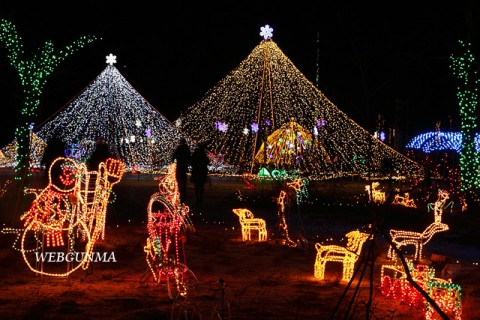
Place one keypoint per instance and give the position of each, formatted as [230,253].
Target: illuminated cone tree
[265,92]
[109,108]
[33,75]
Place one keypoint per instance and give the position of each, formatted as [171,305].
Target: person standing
[200,162]
[181,156]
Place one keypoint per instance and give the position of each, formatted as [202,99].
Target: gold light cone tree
[110,108]
[265,92]
[9,155]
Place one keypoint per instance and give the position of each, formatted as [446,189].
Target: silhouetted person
[199,162]
[100,154]
[182,157]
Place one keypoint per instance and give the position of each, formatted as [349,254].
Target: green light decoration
[33,74]
[464,69]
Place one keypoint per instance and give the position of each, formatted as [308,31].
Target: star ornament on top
[111,59]
[266,32]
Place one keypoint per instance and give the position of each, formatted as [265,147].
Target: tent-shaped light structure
[262,94]
[109,108]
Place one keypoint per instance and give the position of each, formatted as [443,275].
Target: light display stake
[251,224]
[347,255]
[465,69]
[33,78]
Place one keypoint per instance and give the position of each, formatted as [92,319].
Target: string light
[440,141]
[68,215]
[249,223]
[33,76]
[111,109]
[268,86]
[401,238]
[347,255]
[464,68]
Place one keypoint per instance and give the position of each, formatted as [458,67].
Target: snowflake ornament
[266,32]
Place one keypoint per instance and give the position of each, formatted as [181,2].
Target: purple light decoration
[254,127]
[382,136]
[221,126]
[268,123]
[148,133]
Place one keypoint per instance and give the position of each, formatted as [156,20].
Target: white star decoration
[266,32]
[111,59]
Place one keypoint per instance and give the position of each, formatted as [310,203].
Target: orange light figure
[251,224]
[347,255]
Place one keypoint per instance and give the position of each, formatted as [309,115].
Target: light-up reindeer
[441,204]
[374,194]
[168,219]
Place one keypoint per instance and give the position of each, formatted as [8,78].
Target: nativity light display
[263,94]
[465,69]
[67,217]
[33,75]
[110,109]
[347,255]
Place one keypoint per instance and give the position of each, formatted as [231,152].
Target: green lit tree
[33,73]
[464,68]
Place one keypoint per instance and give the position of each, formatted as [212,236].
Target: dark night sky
[371,59]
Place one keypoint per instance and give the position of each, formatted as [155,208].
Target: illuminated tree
[263,94]
[109,108]
[33,75]
[464,68]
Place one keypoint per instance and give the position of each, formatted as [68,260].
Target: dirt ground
[267,280]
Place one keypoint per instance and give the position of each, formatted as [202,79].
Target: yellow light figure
[402,238]
[404,201]
[347,255]
[251,224]
[376,195]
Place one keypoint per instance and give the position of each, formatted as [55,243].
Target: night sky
[392,60]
